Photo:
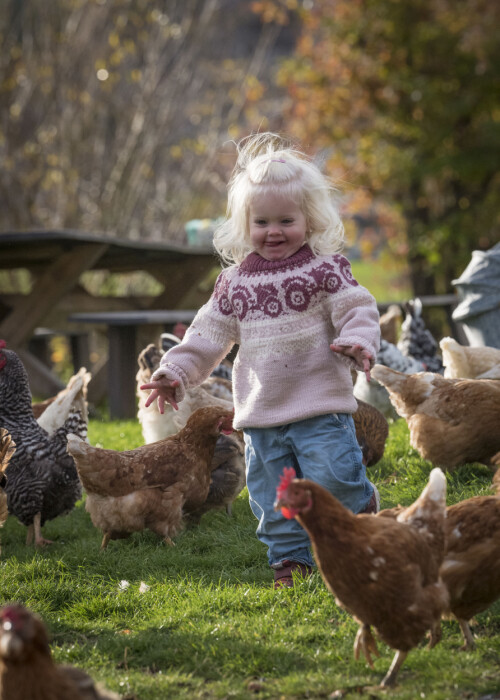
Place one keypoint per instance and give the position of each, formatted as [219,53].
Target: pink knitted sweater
[283,314]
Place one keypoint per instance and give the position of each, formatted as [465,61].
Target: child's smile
[277,226]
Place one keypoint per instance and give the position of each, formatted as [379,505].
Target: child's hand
[164,390]
[358,354]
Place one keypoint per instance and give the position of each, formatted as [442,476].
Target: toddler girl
[301,321]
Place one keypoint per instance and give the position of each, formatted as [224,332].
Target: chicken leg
[35,532]
[390,677]
[366,643]
[435,634]
[467,634]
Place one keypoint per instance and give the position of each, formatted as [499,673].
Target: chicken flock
[418,564]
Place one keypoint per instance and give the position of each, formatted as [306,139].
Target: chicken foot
[390,677]
[35,532]
[365,643]
[467,634]
[435,634]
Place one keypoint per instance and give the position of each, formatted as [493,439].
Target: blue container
[479,293]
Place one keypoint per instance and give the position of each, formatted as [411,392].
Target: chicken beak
[278,504]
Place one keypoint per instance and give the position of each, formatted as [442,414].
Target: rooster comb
[286,479]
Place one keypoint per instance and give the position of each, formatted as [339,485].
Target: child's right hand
[163,389]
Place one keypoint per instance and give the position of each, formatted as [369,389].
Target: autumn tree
[403,96]
[113,112]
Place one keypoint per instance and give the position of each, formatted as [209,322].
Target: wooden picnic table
[57,259]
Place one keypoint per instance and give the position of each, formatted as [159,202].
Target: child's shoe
[283,577]
[373,505]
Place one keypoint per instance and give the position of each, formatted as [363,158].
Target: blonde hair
[267,163]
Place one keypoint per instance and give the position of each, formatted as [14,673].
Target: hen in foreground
[42,481]
[382,571]
[451,421]
[153,485]
[27,670]
[471,564]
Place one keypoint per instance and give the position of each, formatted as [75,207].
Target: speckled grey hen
[42,480]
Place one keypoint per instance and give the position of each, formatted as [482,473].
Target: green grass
[210,625]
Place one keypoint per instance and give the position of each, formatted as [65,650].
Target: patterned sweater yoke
[284,315]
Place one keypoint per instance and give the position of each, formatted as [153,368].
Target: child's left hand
[358,354]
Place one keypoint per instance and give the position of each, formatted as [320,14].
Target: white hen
[72,398]
[469,362]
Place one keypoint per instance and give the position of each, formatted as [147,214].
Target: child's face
[277,226]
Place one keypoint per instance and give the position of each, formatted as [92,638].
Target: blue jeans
[323,449]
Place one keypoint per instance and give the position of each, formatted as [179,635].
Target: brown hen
[471,567]
[451,421]
[372,430]
[228,476]
[471,564]
[151,486]
[27,670]
[382,571]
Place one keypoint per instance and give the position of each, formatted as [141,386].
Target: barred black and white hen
[417,341]
[42,481]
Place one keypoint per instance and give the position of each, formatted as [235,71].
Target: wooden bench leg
[122,368]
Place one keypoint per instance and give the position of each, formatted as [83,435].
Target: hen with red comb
[387,576]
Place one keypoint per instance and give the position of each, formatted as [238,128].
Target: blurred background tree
[116,115]
[114,112]
[403,97]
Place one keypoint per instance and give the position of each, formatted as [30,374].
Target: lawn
[201,621]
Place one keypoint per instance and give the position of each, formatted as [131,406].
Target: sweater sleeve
[356,320]
[207,341]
